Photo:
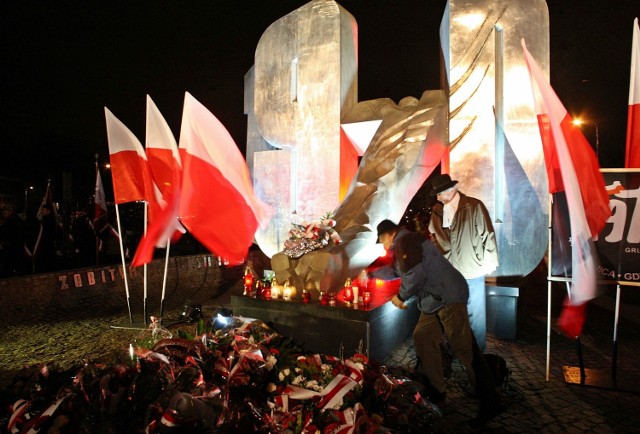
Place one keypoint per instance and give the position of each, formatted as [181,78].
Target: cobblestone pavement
[537,405]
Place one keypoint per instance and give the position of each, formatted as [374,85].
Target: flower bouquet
[307,237]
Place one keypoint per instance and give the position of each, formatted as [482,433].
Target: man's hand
[398,303]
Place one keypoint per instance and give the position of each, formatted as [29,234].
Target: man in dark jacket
[442,294]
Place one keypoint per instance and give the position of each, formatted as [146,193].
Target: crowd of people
[44,239]
[37,241]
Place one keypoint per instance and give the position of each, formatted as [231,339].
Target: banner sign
[618,244]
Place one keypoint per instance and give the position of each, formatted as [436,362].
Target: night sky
[62,62]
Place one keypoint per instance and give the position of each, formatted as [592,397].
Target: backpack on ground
[498,367]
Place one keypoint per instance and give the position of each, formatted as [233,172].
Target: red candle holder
[248,282]
[266,294]
[348,295]
[324,298]
[306,296]
[366,298]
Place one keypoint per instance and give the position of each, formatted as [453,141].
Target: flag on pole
[129,167]
[100,218]
[572,167]
[47,201]
[100,222]
[162,152]
[166,170]
[632,153]
[218,204]
[48,225]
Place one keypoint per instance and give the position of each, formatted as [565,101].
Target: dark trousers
[453,320]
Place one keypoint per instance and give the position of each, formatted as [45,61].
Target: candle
[275,291]
[348,294]
[366,298]
[356,294]
[248,282]
[267,293]
[323,298]
[306,296]
[286,293]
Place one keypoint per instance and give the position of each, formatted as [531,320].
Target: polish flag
[132,179]
[217,204]
[166,170]
[632,154]
[572,167]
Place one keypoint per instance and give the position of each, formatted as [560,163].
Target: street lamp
[578,122]
[26,197]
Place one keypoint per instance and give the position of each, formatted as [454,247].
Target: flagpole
[164,279]
[94,202]
[124,265]
[549,270]
[144,284]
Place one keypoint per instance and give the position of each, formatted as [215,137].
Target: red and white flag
[632,154]
[166,170]
[217,204]
[572,167]
[132,179]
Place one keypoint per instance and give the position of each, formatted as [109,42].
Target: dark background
[62,62]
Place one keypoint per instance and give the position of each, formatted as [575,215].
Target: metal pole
[614,348]
[549,267]
[144,284]
[597,141]
[164,280]
[124,265]
[95,196]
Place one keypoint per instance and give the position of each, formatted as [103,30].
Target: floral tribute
[307,237]
[242,378]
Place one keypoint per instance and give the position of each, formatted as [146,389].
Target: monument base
[375,330]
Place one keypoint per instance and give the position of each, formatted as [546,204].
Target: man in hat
[441,293]
[461,229]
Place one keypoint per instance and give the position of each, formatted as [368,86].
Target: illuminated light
[222,319]
[470,21]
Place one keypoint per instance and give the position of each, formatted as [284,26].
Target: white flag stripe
[634,84]
[120,137]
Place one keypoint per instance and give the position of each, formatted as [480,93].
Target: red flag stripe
[130,179]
